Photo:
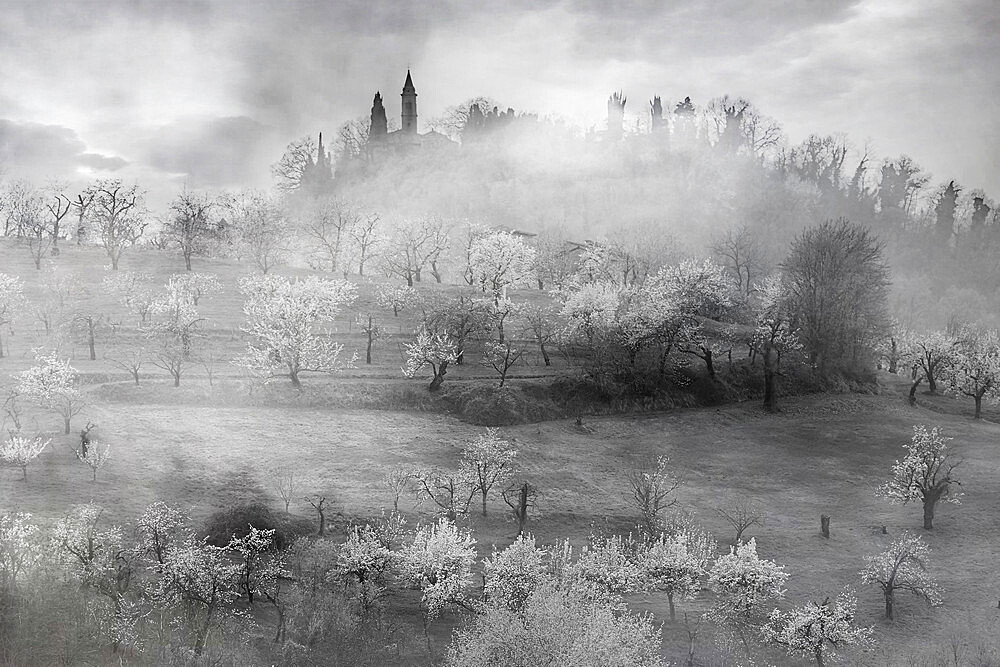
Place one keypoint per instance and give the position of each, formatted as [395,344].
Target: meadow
[206,446]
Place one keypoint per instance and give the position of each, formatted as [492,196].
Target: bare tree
[522,499]
[286,484]
[289,170]
[741,254]
[258,228]
[58,206]
[190,226]
[326,225]
[652,488]
[118,215]
[367,239]
[741,515]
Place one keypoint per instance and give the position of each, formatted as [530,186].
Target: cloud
[46,151]
[216,152]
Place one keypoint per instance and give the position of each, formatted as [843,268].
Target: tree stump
[824,525]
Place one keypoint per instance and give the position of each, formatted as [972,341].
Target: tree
[490,460]
[118,214]
[11,302]
[190,225]
[557,626]
[130,288]
[367,238]
[258,565]
[289,325]
[675,563]
[373,331]
[53,384]
[975,367]
[194,286]
[173,328]
[651,488]
[160,529]
[741,515]
[414,245]
[501,357]
[924,474]
[837,280]
[743,582]
[774,333]
[294,163]
[58,206]
[19,451]
[902,567]
[20,547]
[512,575]
[95,456]
[367,558]
[451,490]
[285,483]
[934,353]
[82,203]
[817,631]
[540,322]
[205,580]
[326,224]
[499,261]
[434,350]
[395,297]
[33,221]
[128,357]
[258,228]
[741,254]
[439,561]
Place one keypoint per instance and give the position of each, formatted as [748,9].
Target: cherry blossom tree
[174,326]
[194,286]
[902,567]
[394,297]
[373,330]
[53,384]
[95,456]
[159,529]
[490,462]
[499,261]
[818,631]
[439,561]
[20,547]
[414,245]
[435,351]
[205,580]
[557,627]
[11,302]
[258,567]
[924,474]
[290,323]
[540,323]
[975,368]
[743,582]
[366,558]
[675,563]
[19,451]
[510,576]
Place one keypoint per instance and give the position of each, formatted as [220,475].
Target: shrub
[221,526]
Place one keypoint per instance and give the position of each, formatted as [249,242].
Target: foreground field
[821,455]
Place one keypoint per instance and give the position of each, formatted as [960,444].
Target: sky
[200,93]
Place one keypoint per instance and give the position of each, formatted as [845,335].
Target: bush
[223,525]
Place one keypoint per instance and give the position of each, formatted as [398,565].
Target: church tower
[409,115]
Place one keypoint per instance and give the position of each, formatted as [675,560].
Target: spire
[409,111]
[379,123]
[321,156]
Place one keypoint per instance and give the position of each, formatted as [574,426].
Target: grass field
[195,448]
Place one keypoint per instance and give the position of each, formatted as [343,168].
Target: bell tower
[409,115]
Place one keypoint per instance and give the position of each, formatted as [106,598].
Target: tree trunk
[294,377]
[439,377]
[1,346]
[931,383]
[770,404]
[66,424]
[894,357]
[135,376]
[545,354]
[979,407]
[913,389]
[484,503]
[888,603]
[709,365]
[90,339]
[670,604]
[818,653]
[368,351]
[824,525]
[187,261]
[929,514]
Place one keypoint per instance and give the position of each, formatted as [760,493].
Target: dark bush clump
[224,524]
